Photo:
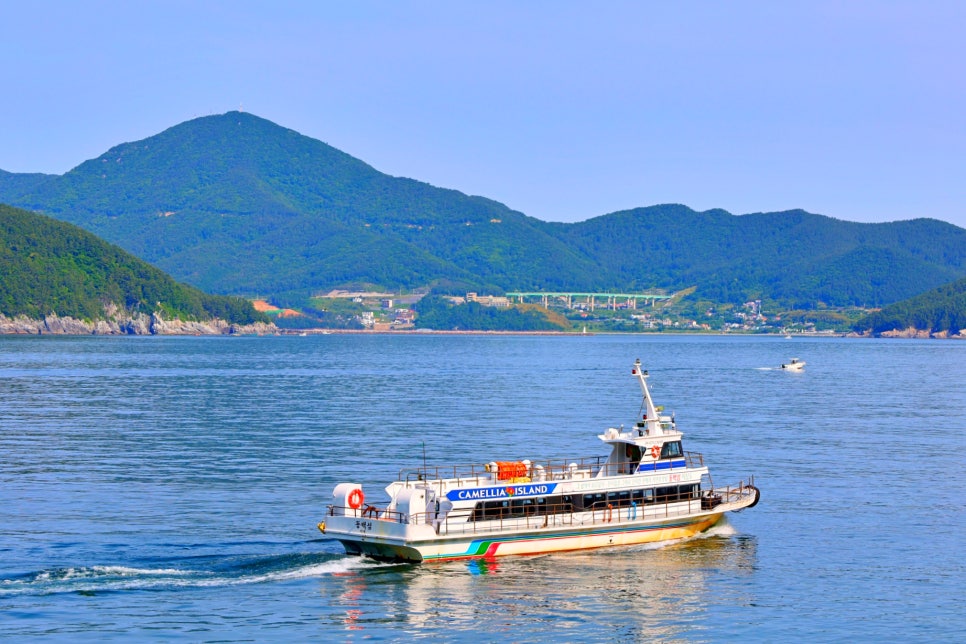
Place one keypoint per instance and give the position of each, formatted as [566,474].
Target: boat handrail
[615,511]
[694,459]
[554,469]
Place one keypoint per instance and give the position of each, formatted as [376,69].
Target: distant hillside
[49,267]
[235,204]
[436,313]
[16,184]
[940,310]
[793,257]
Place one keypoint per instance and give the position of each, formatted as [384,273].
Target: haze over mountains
[235,204]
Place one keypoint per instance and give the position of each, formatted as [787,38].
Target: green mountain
[15,184]
[793,257]
[235,204]
[939,310]
[51,267]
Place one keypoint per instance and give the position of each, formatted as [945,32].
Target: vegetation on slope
[437,313]
[51,267]
[938,310]
[796,258]
[236,204]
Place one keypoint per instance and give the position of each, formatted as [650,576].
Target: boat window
[565,504]
[495,509]
[504,509]
[672,450]
[523,507]
[619,499]
[633,453]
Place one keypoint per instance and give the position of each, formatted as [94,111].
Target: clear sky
[562,110]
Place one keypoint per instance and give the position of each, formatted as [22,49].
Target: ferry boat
[646,489]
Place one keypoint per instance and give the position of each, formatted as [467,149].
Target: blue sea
[169,487]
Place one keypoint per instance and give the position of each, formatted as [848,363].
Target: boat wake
[720,529]
[213,572]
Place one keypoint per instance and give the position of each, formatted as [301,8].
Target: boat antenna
[424,457]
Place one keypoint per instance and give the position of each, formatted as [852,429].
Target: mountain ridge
[236,204]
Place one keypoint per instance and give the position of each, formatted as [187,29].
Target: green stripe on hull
[489,547]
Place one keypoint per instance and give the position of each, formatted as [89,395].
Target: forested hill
[49,267]
[14,184]
[236,204]
[941,310]
[794,257]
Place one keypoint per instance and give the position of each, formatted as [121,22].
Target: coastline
[154,324]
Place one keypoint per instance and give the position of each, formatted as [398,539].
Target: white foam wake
[108,578]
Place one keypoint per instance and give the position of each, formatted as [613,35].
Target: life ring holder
[656,451]
[355,499]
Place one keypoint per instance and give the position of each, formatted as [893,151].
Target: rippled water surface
[170,487]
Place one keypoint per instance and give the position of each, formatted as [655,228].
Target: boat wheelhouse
[647,489]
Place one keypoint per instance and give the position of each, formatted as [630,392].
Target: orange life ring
[356,497]
[655,451]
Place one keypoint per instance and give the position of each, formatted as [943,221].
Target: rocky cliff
[137,324]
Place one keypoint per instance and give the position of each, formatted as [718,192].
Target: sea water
[169,488]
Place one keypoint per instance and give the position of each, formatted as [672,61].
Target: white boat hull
[382,539]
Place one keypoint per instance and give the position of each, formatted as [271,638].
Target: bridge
[611,300]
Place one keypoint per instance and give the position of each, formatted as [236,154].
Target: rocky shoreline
[137,324]
[154,324]
[913,332]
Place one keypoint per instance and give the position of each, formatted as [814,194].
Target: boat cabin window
[523,507]
[676,493]
[672,450]
[565,504]
[618,499]
[644,497]
[632,453]
[509,509]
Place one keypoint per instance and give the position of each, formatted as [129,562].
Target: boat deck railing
[461,522]
[559,469]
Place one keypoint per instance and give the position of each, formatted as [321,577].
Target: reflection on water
[353,585]
[643,592]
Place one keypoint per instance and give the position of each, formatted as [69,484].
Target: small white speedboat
[794,365]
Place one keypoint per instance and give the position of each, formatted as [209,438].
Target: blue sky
[562,110]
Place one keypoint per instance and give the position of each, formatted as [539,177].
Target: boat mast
[651,416]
